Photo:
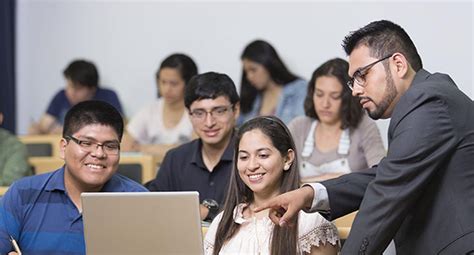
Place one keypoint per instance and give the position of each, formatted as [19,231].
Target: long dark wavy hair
[284,240]
[351,111]
[263,53]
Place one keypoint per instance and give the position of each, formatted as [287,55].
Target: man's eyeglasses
[110,148]
[359,75]
[216,112]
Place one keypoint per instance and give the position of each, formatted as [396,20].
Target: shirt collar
[239,213]
[196,157]
[57,181]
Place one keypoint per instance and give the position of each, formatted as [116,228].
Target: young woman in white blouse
[265,165]
[163,123]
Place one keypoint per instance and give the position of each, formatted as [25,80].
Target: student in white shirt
[164,123]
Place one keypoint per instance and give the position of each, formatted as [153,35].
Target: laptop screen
[142,223]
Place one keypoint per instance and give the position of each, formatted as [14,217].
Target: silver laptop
[142,223]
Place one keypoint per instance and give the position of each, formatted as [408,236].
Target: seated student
[161,125]
[335,137]
[265,165]
[13,157]
[204,164]
[268,87]
[43,212]
[82,83]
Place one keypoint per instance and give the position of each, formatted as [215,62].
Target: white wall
[127,39]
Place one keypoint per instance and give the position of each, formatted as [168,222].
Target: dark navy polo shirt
[183,169]
[38,213]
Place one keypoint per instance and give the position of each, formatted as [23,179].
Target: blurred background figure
[164,123]
[268,87]
[82,83]
[335,137]
[13,157]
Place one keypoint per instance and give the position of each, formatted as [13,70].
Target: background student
[268,87]
[164,123]
[82,83]
[204,164]
[335,137]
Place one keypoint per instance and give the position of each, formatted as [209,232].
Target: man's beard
[389,96]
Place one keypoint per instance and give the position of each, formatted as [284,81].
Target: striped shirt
[38,213]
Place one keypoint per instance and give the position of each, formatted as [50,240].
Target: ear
[236,110]
[62,148]
[289,159]
[401,65]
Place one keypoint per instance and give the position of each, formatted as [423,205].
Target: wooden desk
[344,224]
[49,144]
[147,163]
[45,164]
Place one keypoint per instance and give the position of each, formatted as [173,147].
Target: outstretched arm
[285,207]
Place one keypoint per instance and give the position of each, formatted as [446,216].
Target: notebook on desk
[142,223]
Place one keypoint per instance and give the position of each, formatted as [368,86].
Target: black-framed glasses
[216,112]
[359,75]
[110,148]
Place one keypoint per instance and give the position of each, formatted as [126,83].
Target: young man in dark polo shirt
[205,164]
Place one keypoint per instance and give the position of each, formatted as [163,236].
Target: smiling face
[260,164]
[378,94]
[89,171]
[327,99]
[215,128]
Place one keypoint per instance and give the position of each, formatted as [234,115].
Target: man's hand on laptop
[285,207]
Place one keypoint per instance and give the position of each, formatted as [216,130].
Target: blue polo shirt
[38,213]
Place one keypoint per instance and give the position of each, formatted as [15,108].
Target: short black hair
[210,85]
[383,38]
[351,110]
[83,73]
[92,112]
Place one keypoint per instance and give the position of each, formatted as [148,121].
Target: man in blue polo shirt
[205,164]
[43,212]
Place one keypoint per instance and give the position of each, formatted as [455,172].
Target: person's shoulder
[10,140]
[299,125]
[314,229]
[185,148]
[30,185]
[154,107]
[297,85]
[366,122]
[311,220]
[60,95]
[105,92]
[120,183]
[301,120]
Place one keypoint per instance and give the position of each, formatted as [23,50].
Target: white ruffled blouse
[254,235]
